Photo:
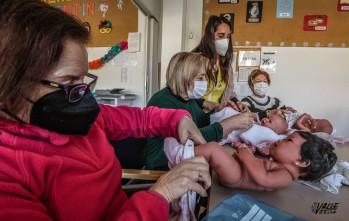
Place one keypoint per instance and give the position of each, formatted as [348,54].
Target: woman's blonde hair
[182,70]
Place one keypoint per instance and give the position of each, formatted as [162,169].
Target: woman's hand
[209,105]
[189,175]
[188,130]
[227,103]
[239,121]
[291,109]
[242,107]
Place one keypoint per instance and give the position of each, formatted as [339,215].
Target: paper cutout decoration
[315,23]
[230,18]
[105,27]
[254,11]
[120,4]
[343,5]
[103,7]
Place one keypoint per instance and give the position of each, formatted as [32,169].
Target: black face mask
[53,112]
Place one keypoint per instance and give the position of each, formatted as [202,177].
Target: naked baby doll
[301,155]
[269,130]
[308,123]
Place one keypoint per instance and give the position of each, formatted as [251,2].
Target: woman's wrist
[235,100]
[163,191]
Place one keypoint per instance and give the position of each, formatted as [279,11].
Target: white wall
[173,29]
[153,7]
[109,76]
[180,18]
[193,23]
[314,81]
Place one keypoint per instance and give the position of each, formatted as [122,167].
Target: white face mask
[222,46]
[261,88]
[200,88]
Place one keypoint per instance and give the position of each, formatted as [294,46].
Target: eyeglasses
[76,91]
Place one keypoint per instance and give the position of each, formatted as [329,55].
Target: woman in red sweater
[56,162]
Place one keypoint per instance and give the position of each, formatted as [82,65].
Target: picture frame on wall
[228,1]
[254,11]
[230,18]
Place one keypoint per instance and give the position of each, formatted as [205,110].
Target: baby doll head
[307,123]
[276,122]
[318,153]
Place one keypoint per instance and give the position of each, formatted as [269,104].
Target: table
[296,199]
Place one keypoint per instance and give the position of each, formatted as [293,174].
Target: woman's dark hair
[32,36]
[207,47]
[319,153]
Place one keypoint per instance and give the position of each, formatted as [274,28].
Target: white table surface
[296,199]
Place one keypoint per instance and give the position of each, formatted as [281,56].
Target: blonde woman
[186,81]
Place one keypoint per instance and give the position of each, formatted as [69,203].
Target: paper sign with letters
[249,58]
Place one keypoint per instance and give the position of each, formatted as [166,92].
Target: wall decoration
[254,11]
[268,61]
[343,5]
[103,7]
[230,18]
[105,27]
[120,4]
[228,1]
[284,8]
[315,23]
[95,64]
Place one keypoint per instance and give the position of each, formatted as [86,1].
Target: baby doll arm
[299,121]
[261,172]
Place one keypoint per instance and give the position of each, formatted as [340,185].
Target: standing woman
[217,47]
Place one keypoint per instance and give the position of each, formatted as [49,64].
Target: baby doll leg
[225,165]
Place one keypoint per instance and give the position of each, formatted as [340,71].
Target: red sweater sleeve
[122,121]
[155,207]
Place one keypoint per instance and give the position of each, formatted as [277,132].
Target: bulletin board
[284,31]
[123,18]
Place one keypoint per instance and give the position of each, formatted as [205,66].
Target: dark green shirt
[156,158]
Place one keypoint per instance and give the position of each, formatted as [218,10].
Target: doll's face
[275,122]
[287,150]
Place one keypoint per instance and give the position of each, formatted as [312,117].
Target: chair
[131,153]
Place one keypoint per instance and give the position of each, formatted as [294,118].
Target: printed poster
[268,61]
[343,5]
[315,23]
[254,11]
[284,8]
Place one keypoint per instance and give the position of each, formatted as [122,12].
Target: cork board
[286,30]
[124,19]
